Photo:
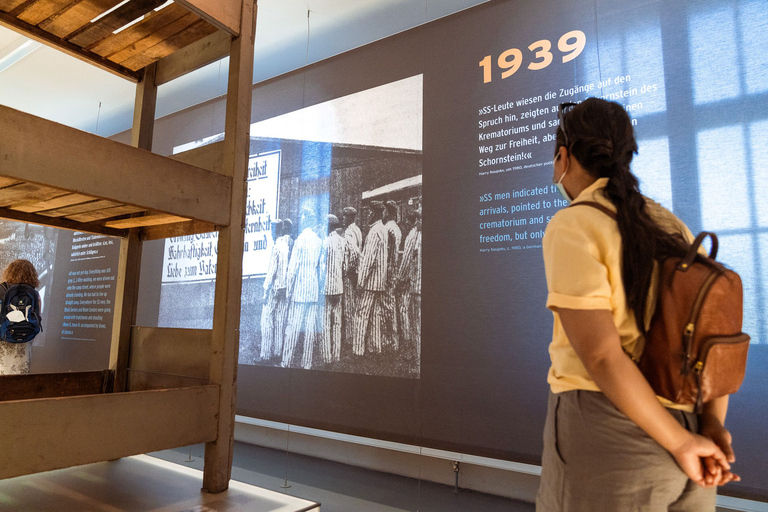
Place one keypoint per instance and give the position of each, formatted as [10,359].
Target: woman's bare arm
[595,339]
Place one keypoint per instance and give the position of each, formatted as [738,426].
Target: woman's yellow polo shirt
[582,261]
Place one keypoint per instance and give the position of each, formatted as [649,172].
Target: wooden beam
[194,56]
[41,151]
[144,110]
[49,385]
[226,311]
[126,295]
[54,433]
[70,49]
[56,222]
[224,14]
[129,265]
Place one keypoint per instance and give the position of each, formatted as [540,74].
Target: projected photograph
[37,244]
[332,252]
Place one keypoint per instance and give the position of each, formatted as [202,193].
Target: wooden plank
[70,49]
[51,204]
[129,265]
[57,222]
[194,56]
[33,149]
[126,297]
[113,21]
[76,209]
[22,204]
[106,213]
[224,14]
[49,385]
[78,15]
[147,220]
[226,309]
[154,21]
[184,352]
[42,9]
[24,192]
[191,227]
[9,5]
[138,380]
[157,37]
[144,110]
[7,182]
[54,433]
[194,32]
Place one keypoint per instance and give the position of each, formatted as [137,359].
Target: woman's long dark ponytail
[602,140]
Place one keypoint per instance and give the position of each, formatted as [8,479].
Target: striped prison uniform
[333,248]
[410,277]
[275,309]
[303,292]
[394,237]
[372,285]
[403,285]
[353,241]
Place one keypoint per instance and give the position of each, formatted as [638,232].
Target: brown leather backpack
[694,349]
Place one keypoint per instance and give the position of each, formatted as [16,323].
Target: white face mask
[560,187]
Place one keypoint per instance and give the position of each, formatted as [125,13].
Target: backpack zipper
[691,326]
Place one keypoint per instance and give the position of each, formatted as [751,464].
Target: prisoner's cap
[348,210]
[333,221]
[392,206]
[377,205]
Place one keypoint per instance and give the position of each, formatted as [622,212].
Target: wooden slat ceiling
[67,25]
[31,202]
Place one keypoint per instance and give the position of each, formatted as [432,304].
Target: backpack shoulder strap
[595,205]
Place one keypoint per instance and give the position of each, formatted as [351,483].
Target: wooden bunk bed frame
[164,388]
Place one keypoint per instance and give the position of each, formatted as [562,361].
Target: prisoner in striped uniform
[333,248]
[273,314]
[303,292]
[394,237]
[353,242]
[372,284]
[402,290]
[409,285]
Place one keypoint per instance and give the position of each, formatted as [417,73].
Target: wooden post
[226,311]
[144,109]
[127,285]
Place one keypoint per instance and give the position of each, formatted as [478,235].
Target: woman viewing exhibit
[15,357]
[611,444]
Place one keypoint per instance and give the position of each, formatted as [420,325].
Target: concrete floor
[136,484]
[342,488]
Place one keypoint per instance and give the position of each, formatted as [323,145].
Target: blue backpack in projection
[20,314]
